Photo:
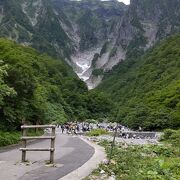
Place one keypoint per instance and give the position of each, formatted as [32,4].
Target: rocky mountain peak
[91,35]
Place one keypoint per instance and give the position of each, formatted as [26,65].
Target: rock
[112,177]
[102,172]
[113,162]
[105,161]
[103,177]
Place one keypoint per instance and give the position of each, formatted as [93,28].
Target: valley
[92,36]
[111,49]
[107,74]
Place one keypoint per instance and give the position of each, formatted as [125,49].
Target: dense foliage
[14,137]
[172,136]
[8,138]
[147,89]
[35,88]
[5,90]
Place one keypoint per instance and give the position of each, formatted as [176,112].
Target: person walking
[62,128]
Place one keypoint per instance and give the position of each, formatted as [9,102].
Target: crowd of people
[81,127]
[75,127]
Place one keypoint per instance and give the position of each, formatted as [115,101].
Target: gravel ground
[123,140]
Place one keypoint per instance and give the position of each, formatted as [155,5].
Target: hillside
[147,89]
[91,35]
[34,88]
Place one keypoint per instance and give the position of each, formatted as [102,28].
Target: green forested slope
[147,89]
[35,88]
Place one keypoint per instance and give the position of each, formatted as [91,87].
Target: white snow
[82,61]
[82,64]
[84,68]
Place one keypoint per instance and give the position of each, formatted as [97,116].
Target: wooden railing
[25,138]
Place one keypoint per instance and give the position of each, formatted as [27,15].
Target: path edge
[83,171]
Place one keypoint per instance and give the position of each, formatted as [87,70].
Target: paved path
[71,153]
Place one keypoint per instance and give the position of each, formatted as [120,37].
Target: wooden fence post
[24,145]
[52,146]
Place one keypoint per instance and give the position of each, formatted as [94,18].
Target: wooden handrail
[37,126]
[37,149]
[37,137]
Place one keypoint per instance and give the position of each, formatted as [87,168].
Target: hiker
[67,128]
[140,128]
[62,128]
[77,128]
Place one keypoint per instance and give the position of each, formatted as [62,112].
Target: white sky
[125,1]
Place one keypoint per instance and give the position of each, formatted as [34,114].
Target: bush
[8,138]
[97,132]
[163,151]
[168,133]
[172,136]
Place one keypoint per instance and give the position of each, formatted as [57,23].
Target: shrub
[8,138]
[172,136]
[97,132]
[168,133]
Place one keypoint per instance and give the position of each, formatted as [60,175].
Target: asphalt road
[71,153]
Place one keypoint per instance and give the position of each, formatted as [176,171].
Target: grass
[172,136]
[147,162]
[32,132]
[9,138]
[97,132]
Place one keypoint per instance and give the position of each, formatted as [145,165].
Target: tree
[5,90]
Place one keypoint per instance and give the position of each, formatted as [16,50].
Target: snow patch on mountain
[82,62]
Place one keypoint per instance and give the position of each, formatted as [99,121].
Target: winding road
[70,154]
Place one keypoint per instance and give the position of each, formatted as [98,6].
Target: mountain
[91,35]
[147,89]
[34,23]
[37,89]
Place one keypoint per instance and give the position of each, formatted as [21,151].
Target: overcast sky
[125,1]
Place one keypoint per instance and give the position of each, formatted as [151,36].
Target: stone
[105,161]
[102,172]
